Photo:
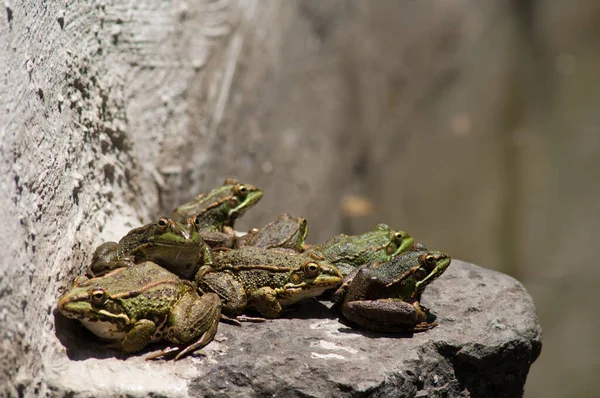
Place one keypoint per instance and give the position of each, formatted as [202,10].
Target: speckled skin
[385,297]
[221,206]
[349,252]
[286,232]
[266,279]
[177,246]
[140,304]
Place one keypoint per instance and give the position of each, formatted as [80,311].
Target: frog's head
[407,275]
[432,264]
[243,196]
[175,245]
[400,241]
[310,280]
[169,232]
[95,307]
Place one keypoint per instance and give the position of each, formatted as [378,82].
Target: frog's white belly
[105,330]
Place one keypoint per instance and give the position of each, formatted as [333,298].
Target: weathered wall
[114,113]
[473,125]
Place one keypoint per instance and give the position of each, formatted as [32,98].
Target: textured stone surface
[488,336]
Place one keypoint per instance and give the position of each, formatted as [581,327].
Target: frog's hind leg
[386,315]
[192,318]
[204,339]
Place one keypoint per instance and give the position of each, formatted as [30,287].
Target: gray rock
[487,338]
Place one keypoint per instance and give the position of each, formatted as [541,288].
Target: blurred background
[472,125]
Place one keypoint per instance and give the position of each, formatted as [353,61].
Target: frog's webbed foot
[233,321]
[241,318]
[168,352]
[246,318]
[424,326]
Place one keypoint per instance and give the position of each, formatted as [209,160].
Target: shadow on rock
[80,343]
[310,309]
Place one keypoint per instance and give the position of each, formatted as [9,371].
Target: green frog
[143,303]
[177,246]
[286,232]
[218,210]
[349,252]
[266,279]
[385,296]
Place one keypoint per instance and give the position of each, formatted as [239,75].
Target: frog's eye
[163,223]
[196,221]
[430,260]
[311,269]
[98,297]
[242,190]
[399,236]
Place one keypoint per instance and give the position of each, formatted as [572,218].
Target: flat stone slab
[487,338]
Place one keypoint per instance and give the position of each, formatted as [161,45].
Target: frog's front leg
[103,259]
[204,270]
[229,232]
[139,336]
[386,315]
[340,293]
[265,301]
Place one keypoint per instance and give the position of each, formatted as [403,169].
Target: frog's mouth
[439,270]
[292,295]
[101,322]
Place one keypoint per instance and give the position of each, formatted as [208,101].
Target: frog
[177,246]
[286,232]
[218,210]
[349,252]
[266,280]
[143,303]
[385,297]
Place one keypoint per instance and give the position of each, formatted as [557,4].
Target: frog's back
[144,290]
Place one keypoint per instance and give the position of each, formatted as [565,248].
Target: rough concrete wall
[113,113]
[79,81]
